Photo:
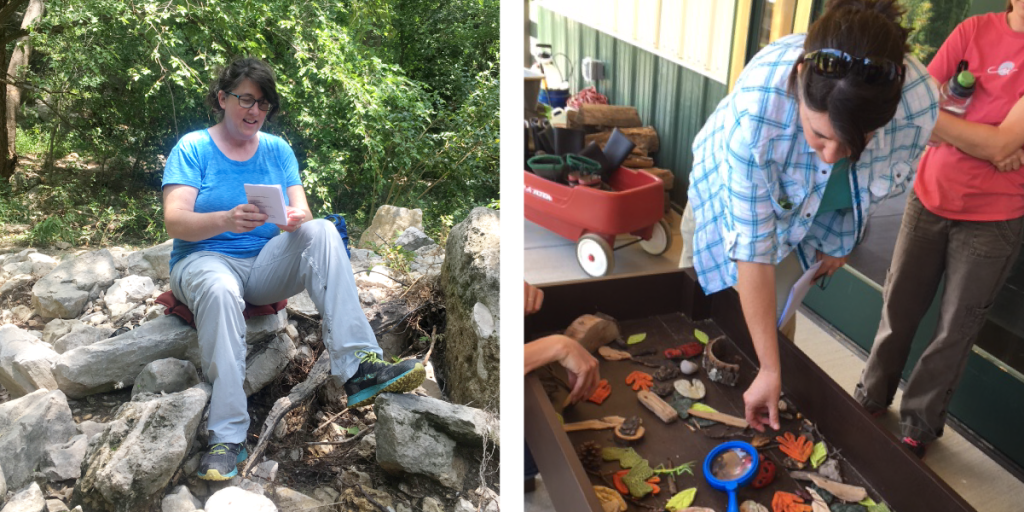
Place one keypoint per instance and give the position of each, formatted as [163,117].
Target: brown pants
[975,258]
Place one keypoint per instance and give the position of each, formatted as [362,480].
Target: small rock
[295,454]
[464,505]
[688,367]
[431,505]
[22,313]
[288,499]
[56,506]
[830,469]
[326,494]
[292,332]
[233,499]
[29,500]
[180,500]
[251,486]
[266,470]
[367,447]
[351,477]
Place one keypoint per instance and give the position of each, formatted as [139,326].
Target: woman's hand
[829,264]
[296,216]
[244,218]
[533,297]
[761,401]
[582,368]
[1011,163]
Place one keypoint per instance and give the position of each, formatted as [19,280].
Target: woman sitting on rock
[225,255]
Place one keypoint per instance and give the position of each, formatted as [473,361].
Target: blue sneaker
[374,377]
[221,461]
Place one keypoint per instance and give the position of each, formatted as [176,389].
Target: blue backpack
[339,223]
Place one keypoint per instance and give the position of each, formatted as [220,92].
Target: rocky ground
[103,404]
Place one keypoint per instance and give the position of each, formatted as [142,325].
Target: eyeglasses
[247,101]
[831,63]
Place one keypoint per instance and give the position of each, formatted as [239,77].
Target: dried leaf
[760,441]
[798,448]
[819,454]
[681,500]
[636,338]
[701,337]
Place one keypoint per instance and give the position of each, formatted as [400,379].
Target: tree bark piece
[662,410]
[593,332]
[300,393]
[720,417]
[645,137]
[608,115]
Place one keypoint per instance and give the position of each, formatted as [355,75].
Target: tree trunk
[19,58]
[6,162]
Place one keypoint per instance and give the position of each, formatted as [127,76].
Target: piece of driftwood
[601,424]
[720,417]
[645,138]
[593,331]
[662,410]
[592,114]
[300,393]
[845,492]
[638,162]
[611,354]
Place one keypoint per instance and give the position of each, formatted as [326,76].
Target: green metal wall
[673,99]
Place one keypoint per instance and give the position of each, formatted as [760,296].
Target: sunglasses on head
[831,63]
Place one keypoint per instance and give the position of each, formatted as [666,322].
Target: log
[638,162]
[608,115]
[300,393]
[645,137]
[722,418]
[662,410]
[665,175]
[593,331]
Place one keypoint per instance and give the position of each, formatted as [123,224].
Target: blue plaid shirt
[756,184]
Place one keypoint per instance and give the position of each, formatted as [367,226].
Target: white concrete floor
[970,472]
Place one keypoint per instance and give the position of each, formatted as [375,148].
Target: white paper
[797,294]
[270,200]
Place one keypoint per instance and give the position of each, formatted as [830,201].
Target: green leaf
[697,406]
[701,337]
[636,338]
[681,500]
[881,507]
[819,454]
[868,502]
[352,431]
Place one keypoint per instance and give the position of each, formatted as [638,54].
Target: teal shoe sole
[215,475]
[404,383]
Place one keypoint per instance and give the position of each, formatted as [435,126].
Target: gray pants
[975,258]
[787,271]
[215,287]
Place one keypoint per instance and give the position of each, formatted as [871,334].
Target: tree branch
[9,9]
[11,36]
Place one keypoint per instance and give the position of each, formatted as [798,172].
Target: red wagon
[594,217]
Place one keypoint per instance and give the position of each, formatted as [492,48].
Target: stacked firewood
[599,120]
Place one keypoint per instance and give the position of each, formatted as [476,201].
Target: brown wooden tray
[663,306]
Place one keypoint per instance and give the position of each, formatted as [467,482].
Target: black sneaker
[916,447]
[374,377]
[221,461]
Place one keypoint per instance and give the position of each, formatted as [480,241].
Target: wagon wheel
[595,255]
[660,239]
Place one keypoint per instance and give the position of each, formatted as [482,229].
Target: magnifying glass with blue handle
[729,466]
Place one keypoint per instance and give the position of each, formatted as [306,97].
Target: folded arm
[983,141]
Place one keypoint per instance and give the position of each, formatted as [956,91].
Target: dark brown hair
[1009,5]
[232,75]
[861,28]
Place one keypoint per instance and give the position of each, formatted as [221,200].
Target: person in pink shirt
[963,221]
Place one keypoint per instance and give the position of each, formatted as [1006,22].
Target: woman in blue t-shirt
[225,254]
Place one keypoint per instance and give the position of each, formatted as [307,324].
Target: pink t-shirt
[950,182]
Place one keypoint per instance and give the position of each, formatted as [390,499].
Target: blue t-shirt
[196,161]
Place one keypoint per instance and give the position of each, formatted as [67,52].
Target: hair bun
[891,9]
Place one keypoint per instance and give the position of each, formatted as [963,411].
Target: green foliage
[397,258]
[931,22]
[383,102]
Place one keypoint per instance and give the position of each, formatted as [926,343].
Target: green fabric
[837,193]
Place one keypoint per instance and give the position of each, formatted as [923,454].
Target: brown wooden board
[666,307]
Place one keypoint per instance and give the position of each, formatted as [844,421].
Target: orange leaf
[788,502]
[603,390]
[640,380]
[619,484]
[799,448]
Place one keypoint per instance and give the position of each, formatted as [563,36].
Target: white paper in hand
[797,294]
[270,200]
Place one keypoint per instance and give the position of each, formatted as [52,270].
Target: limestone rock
[354,501]
[64,462]
[136,456]
[428,260]
[82,336]
[153,262]
[387,223]
[265,360]
[431,505]
[303,305]
[59,327]
[56,506]
[234,499]
[288,499]
[413,238]
[470,278]
[166,376]
[28,425]
[180,500]
[363,259]
[63,292]
[3,486]
[28,500]
[25,362]
[129,290]
[15,284]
